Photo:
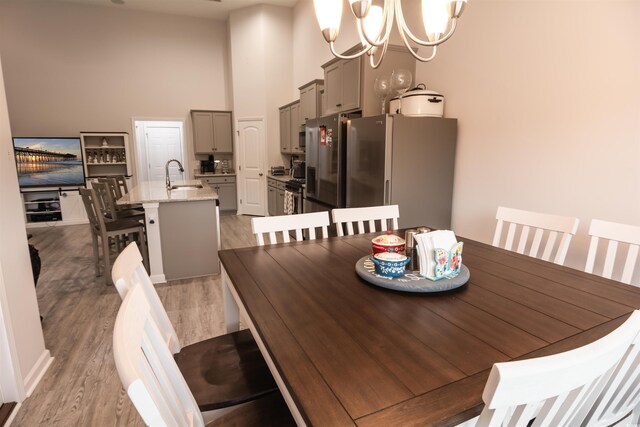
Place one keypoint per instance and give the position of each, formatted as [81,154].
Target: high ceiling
[211,9]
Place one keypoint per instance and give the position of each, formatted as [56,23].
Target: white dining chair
[156,385]
[620,398]
[284,224]
[369,215]
[551,225]
[615,233]
[557,390]
[222,371]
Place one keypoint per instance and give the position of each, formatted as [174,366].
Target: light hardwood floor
[82,387]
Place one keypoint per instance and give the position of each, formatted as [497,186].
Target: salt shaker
[411,250]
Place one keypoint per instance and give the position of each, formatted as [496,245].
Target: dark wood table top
[352,353]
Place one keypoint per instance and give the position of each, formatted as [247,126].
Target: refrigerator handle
[387,196]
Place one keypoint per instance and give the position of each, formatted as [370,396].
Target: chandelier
[374,23]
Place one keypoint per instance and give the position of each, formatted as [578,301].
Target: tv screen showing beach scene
[48,162]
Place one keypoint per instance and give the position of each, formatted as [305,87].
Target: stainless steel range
[297,186]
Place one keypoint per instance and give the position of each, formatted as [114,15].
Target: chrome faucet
[166,168]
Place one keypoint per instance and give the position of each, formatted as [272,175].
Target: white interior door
[251,169]
[163,141]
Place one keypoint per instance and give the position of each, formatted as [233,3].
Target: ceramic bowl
[387,243]
[390,264]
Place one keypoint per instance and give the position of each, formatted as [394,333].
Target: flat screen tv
[49,162]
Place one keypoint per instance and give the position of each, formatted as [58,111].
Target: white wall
[310,50]
[548,100]
[22,351]
[547,95]
[72,68]
[261,61]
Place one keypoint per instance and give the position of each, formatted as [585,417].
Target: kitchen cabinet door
[279,202]
[285,130]
[202,132]
[333,88]
[308,101]
[272,200]
[222,134]
[350,84]
[295,129]
[228,197]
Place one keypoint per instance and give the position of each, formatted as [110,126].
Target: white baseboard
[56,223]
[37,372]
[158,278]
[9,420]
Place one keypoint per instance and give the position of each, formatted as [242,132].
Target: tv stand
[47,207]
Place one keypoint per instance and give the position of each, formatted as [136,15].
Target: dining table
[344,351]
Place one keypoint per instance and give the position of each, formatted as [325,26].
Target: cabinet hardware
[260,174]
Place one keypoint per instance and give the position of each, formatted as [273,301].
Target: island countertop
[156,192]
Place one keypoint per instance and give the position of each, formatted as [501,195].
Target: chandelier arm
[363,36]
[415,54]
[372,62]
[404,28]
[354,56]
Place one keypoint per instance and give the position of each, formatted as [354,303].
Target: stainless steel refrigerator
[326,162]
[408,161]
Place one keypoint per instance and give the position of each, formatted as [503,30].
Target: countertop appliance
[207,166]
[408,161]
[277,170]
[422,103]
[299,169]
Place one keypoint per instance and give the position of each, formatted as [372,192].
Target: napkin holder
[440,254]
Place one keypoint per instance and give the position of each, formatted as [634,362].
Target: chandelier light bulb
[375,24]
[329,15]
[372,23]
[435,18]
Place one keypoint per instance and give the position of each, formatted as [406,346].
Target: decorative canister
[387,243]
[390,264]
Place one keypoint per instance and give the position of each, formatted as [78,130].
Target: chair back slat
[558,390]
[369,215]
[93,207]
[548,247]
[630,263]
[147,369]
[510,237]
[620,237]
[524,236]
[128,271]
[287,223]
[552,225]
[106,202]
[121,180]
[621,394]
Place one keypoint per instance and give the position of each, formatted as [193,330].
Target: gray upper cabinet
[285,129]
[294,133]
[342,86]
[222,133]
[333,88]
[348,84]
[351,84]
[290,129]
[212,132]
[310,100]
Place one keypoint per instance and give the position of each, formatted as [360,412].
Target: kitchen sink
[186,186]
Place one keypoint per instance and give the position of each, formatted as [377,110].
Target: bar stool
[118,230]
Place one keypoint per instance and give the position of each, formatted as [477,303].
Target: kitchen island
[183,228]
